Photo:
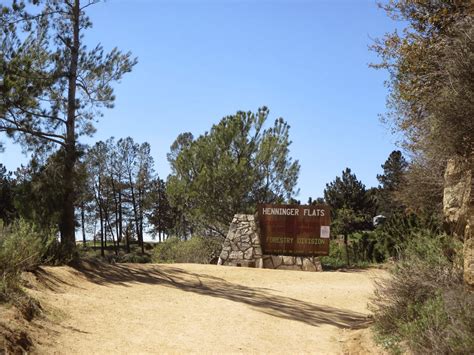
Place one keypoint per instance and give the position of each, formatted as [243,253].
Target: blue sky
[201,60]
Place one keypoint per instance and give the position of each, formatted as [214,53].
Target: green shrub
[366,247]
[134,258]
[364,250]
[424,303]
[23,246]
[336,258]
[111,256]
[435,329]
[200,250]
[400,228]
[388,240]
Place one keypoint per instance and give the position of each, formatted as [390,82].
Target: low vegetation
[200,250]
[424,305]
[117,253]
[23,247]
[337,258]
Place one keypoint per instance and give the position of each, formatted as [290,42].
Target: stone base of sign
[242,248]
[242,245]
[304,263]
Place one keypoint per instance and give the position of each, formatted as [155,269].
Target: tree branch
[21,128]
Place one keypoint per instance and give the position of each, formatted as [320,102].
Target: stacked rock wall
[242,248]
[302,263]
[242,245]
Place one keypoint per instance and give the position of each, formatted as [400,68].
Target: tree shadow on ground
[50,281]
[353,270]
[259,299]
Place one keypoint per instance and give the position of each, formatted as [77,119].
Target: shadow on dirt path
[260,299]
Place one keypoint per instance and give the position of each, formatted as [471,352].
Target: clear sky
[200,60]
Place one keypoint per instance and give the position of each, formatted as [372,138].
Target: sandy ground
[188,308]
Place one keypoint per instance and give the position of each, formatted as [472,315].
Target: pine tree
[394,170]
[7,208]
[230,169]
[53,86]
[352,207]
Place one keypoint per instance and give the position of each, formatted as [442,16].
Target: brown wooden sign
[294,230]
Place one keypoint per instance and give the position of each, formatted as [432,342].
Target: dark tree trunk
[120,226]
[101,218]
[109,227]
[67,225]
[83,226]
[116,209]
[135,211]
[105,233]
[101,232]
[116,212]
[127,239]
[141,221]
[346,245]
[115,244]
[95,233]
[160,213]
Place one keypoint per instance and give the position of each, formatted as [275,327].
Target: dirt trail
[185,308]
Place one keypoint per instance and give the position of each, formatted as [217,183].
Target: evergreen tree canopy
[7,208]
[394,170]
[352,207]
[53,87]
[230,169]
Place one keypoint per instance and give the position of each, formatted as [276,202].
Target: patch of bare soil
[14,336]
[188,308]
[361,342]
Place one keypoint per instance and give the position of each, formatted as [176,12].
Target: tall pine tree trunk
[346,245]
[120,225]
[101,217]
[116,210]
[115,244]
[102,252]
[127,239]
[140,196]
[83,225]
[135,211]
[67,225]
